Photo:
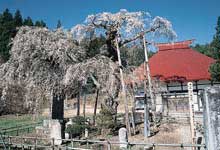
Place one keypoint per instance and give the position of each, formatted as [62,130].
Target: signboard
[191,111]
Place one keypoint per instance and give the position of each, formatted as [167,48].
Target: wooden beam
[123,88]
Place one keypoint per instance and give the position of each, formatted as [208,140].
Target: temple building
[176,64]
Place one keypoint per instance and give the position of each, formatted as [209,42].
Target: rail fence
[35,143]
[19,129]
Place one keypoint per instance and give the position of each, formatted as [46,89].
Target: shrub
[78,127]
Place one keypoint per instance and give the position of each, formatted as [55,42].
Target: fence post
[52,143]
[17,130]
[129,145]
[109,145]
[71,142]
[22,143]
[87,144]
[35,144]
[182,148]
[9,143]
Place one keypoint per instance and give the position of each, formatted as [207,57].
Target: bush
[105,119]
[106,122]
[214,70]
[78,127]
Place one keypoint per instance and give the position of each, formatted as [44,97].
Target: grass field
[18,124]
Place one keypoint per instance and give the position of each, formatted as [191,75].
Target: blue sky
[191,19]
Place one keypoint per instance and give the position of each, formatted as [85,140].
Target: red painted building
[176,64]
[173,66]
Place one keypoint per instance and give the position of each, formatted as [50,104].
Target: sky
[191,19]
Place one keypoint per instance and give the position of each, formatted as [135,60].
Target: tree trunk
[84,105]
[78,100]
[95,107]
[78,104]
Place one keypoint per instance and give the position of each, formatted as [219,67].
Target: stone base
[55,132]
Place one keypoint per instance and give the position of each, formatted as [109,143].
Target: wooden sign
[191,111]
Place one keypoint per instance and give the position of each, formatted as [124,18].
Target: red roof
[177,61]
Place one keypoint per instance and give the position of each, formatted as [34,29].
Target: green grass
[11,122]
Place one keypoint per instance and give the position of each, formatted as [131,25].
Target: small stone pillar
[159,103]
[211,105]
[123,138]
[55,132]
[70,122]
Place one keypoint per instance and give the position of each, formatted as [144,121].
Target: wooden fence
[11,142]
[19,129]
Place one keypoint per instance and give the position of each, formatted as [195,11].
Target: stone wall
[211,104]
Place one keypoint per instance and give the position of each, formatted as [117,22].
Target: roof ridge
[168,49]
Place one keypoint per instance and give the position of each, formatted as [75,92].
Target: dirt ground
[168,132]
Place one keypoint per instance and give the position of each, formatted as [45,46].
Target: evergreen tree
[18,19]
[28,22]
[7,16]
[8,25]
[40,23]
[205,49]
[59,25]
[215,44]
[7,31]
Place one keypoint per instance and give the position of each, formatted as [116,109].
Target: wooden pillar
[147,80]
[181,83]
[167,87]
[123,89]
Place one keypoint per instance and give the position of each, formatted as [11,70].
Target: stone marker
[70,122]
[123,137]
[211,100]
[86,133]
[55,131]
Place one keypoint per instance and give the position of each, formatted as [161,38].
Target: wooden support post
[133,120]
[147,75]
[123,89]
[181,83]
[146,81]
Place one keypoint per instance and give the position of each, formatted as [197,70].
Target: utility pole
[147,81]
[123,88]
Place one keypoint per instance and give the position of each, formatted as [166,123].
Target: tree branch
[139,35]
[99,25]
[95,81]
